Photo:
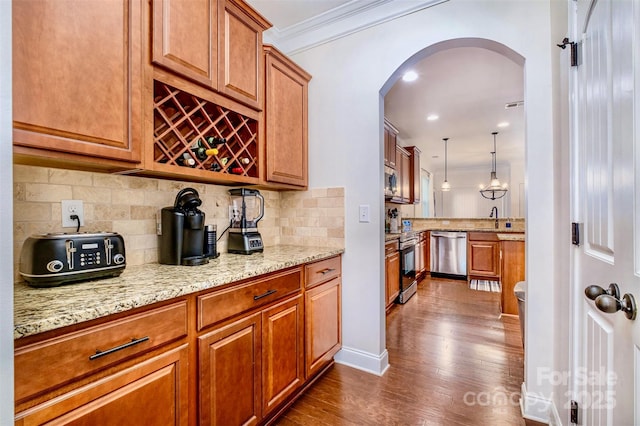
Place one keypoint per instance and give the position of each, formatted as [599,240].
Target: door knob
[593,291]
[609,304]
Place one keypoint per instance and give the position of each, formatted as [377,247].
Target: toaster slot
[71,248]
[108,246]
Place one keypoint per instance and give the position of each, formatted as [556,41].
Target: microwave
[390,182]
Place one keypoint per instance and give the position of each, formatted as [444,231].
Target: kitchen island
[171,342]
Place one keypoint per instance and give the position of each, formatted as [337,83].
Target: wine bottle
[186,160]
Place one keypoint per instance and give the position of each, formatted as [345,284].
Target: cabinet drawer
[57,361]
[219,305]
[391,247]
[482,236]
[324,270]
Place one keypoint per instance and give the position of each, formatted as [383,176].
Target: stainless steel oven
[408,283]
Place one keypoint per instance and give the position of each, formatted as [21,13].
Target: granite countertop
[511,237]
[37,310]
[507,234]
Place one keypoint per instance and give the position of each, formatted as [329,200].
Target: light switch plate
[364,213]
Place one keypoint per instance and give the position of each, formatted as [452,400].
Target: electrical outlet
[70,208]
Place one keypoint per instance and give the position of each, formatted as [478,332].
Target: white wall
[6,220]
[345,134]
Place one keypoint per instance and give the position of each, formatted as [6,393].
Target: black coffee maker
[182,239]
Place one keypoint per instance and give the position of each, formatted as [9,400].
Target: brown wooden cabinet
[282,352]
[483,256]
[392,272]
[403,164]
[77,82]
[422,255]
[323,327]
[414,174]
[152,392]
[285,116]
[390,142]
[185,38]
[513,271]
[105,373]
[234,355]
[240,59]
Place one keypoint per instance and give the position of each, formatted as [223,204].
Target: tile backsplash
[129,205]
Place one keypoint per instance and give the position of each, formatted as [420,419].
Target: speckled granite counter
[42,309]
[511,237]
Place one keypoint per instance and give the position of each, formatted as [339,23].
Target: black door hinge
[575,57]
[574,412]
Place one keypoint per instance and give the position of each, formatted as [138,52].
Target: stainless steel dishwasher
[449,254]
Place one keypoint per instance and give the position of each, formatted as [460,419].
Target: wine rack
[186,125]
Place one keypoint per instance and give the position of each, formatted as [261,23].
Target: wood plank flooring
[453,361]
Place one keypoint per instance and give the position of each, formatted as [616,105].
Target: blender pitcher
[246,209]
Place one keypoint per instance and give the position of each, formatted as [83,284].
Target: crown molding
[347,19]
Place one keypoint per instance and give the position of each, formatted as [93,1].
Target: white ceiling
[467,87]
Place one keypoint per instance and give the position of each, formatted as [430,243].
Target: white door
[606,200]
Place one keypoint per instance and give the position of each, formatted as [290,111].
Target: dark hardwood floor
[453,361]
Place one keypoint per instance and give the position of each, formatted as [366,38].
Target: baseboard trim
[365,361]
[535,407]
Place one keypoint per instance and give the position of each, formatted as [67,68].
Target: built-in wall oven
[408,283]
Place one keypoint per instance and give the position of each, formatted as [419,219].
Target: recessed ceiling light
[503,124]
[432,117]
[410,76]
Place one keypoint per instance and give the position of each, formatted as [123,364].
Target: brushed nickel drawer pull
[100,353]
[326,271]
[268,293]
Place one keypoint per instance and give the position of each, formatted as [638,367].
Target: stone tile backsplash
[129,205]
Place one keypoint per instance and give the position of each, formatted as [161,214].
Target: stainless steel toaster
[48,260]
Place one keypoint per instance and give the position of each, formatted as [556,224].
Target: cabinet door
[286,120]
[392,277]
[484,259]
[512,272]
[390,141]
[153,392]
[414,175]
[240,63]
[322,325]
[405,180]
[230,365]
[77,78]
[185,38]
[282,352]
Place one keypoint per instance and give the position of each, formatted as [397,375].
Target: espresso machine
[246,209]
[183,231]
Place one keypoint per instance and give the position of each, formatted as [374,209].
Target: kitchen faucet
[494,209]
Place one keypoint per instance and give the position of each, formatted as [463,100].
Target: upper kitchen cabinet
[285,115]
[414,174]
[215,43]
[390,141]
[185,38]
[77,82]
[240,52]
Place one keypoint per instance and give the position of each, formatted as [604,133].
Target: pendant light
[495,190]
[445,185]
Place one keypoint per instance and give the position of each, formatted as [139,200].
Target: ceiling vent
[513,104]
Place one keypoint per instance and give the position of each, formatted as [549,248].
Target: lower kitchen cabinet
[513,271]
[230,364]
[152,392]
[322,325]
[235,355]
[483,256]
[282,352]
[392,272]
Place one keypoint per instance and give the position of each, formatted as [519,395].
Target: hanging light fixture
[495,189]
[445,185]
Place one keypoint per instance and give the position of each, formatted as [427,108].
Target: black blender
[247,208]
